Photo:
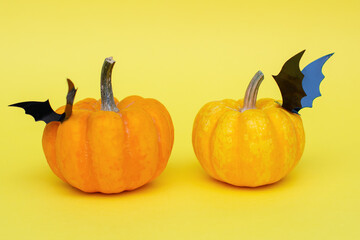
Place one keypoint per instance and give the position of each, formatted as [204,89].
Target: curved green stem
[252,91]
[107,98]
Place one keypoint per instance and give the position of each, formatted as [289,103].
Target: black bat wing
[40,111]
[289,81]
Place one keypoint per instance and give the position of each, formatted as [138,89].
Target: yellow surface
[183,53]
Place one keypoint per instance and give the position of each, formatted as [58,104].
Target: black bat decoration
[300,88]
[289,81]
[42,111]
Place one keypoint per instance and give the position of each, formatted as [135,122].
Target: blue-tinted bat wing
[312,78]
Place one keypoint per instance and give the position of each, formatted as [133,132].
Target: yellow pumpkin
[248,143]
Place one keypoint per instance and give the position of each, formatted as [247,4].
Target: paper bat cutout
[300,88]
[289,81]
[42,111]
[312,78]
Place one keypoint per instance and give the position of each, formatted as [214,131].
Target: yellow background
[184,53]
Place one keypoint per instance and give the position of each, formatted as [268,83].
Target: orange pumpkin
[248,143]
[110,146]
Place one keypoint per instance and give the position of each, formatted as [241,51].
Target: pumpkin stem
[70,97]
[252,91]
[107,98]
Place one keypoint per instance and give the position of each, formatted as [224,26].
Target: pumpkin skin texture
[250,148]
[110,152]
